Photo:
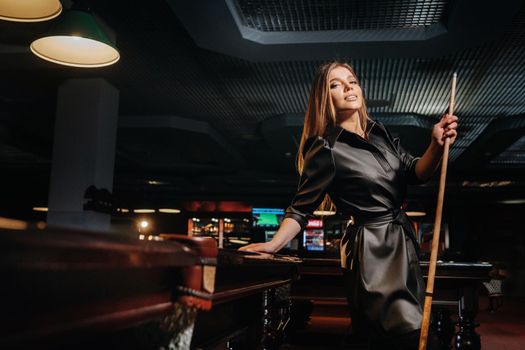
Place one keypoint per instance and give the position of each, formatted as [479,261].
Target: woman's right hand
[266,247]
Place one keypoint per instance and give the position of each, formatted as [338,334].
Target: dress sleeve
[318,173]
[409,163]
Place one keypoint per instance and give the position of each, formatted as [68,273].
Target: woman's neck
[352,123]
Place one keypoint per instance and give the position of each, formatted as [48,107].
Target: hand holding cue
[437,228]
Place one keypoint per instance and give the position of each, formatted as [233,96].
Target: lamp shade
[76,40]
[29,10]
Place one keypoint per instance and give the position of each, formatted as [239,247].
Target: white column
[83,151]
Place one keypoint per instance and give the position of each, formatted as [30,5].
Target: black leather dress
[367,179]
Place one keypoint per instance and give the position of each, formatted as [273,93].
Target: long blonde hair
[320,114]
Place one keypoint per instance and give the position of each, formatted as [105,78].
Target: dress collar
[333,133]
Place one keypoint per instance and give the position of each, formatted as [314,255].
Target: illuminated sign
[314,223]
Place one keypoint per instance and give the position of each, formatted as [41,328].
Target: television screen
[313,237]
[268,235]
[267,217]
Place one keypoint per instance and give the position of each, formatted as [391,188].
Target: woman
[353,162]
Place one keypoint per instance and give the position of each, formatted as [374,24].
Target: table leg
[466,337]
[443,327]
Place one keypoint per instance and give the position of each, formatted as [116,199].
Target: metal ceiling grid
[231,94]
[235,95]
[238,104]
[319,15]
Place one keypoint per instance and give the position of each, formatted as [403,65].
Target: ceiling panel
[307,16]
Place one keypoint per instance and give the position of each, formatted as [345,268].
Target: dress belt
[391,216]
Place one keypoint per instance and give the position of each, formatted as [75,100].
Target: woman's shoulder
[318,155]
[314,143]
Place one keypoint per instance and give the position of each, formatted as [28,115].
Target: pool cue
[423,336]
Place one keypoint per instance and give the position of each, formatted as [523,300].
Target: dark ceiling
[212,93]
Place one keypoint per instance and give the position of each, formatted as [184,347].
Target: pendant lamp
[76,40]
[29,10]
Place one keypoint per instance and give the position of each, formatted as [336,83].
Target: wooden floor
[500,330]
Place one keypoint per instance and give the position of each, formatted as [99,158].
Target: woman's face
[347,96]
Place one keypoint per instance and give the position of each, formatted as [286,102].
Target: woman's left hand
[446,127]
